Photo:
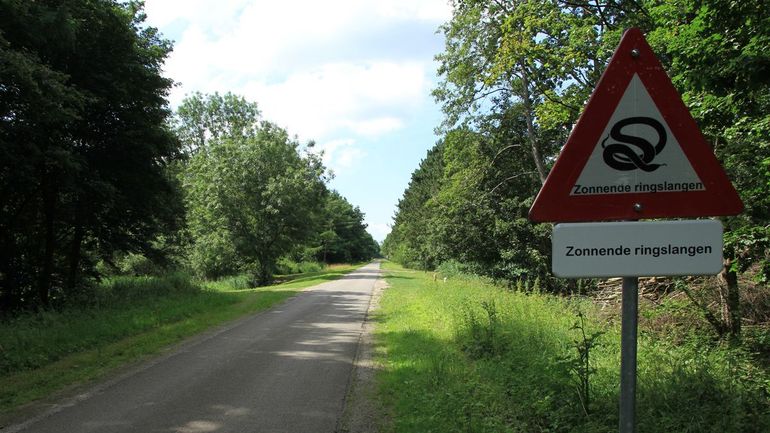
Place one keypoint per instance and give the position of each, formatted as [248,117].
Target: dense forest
[99,177]
[515,76]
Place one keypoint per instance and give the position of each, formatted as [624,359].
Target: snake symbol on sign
[625,154]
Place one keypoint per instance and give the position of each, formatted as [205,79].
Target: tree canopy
[83,139]
[253,195]
[94,168]
[514,78]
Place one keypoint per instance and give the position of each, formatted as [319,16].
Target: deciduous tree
[83,142]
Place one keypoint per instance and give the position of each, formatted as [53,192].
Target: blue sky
[355,76]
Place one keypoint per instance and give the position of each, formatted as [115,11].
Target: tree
[515,75]
[203,119]
[84,142]
[468,202]
[508,97]
[544,55]
[410,241]
[251,197]
[718,55]
[483,205]
[344,238]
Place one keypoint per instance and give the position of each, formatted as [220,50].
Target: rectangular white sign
[629,249]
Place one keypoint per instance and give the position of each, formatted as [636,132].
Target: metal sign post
[635,153]
[633,249]
[628,330]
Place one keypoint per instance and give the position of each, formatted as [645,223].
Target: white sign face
[637,249]
[637,152]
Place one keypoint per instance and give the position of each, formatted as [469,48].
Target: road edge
[361,412]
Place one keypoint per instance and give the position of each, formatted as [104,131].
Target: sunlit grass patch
[465,355]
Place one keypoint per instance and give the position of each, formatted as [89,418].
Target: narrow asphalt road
[283,370]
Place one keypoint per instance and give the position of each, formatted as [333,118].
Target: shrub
[136,264]
[122,289]
[234,282]
[288,266]
[452,269]
[480,337]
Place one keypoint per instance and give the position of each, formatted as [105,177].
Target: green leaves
[201,120]
[411,238]
[344,238]
[84,143]
[719,57]
[514,77]
[252,197]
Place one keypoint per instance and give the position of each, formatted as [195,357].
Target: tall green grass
[466,356]
[119,307]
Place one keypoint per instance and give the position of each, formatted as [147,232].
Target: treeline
[254,195]
[98,176]
[515,77]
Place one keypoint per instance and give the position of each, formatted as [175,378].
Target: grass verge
[466,356]
[133,318]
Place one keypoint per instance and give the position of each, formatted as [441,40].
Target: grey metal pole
[628,333]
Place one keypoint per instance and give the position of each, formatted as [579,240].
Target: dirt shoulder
[362,412]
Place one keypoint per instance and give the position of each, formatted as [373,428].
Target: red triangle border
[554,202]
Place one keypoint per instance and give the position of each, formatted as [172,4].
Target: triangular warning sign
[635,152]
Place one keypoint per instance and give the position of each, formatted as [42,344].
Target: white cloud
[288,57]
[328,13]
[349,156]
[161,13]
[428,10]
[377,126]
[378,230]
[340,154]
[342,98]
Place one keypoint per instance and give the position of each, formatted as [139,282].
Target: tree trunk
[526,98]
[46,270]
[719,326]
[9,281]
[265,274]
[730,299]
[73,273]
[326,247]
